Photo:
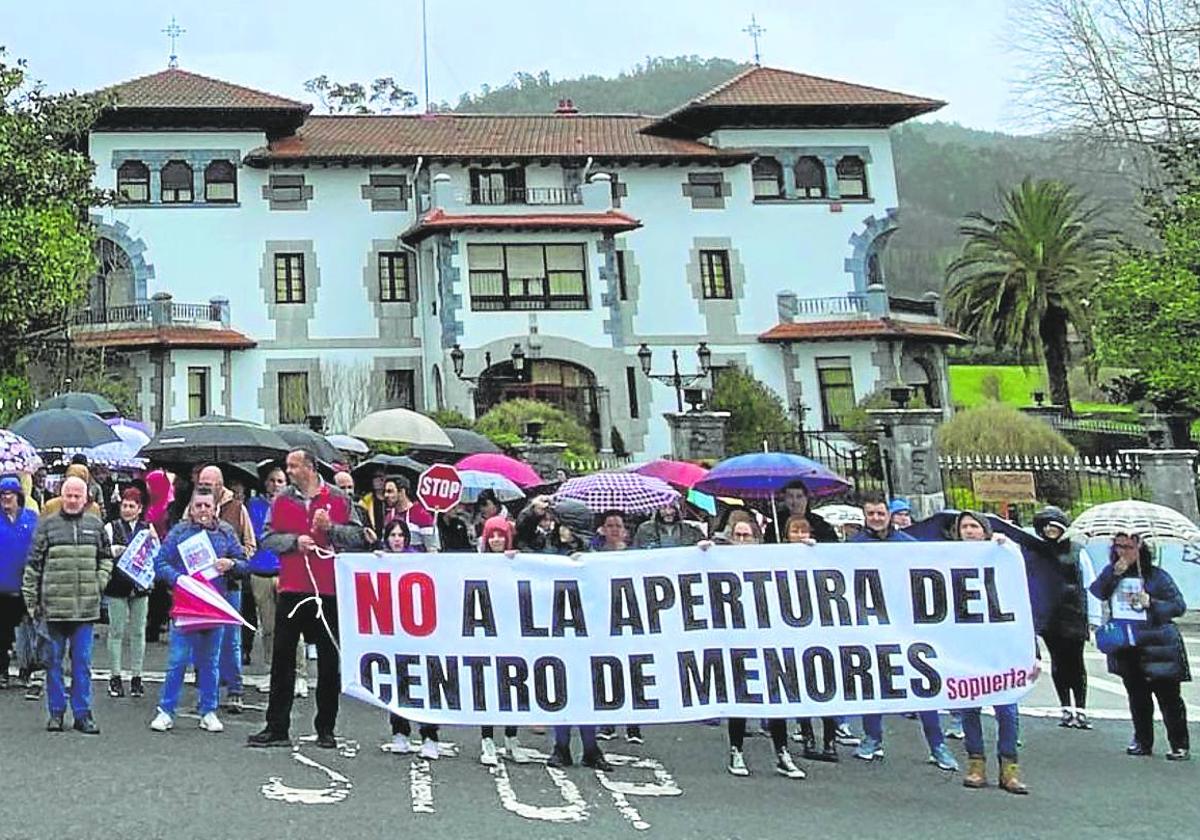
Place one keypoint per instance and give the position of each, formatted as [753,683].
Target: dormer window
[133,182]
[220,182]
[176,183]
[852,177]
[810,178]
[768,177]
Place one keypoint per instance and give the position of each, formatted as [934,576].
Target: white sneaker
[210,723]
[162,722]
[487,753]
[787,768]
[400,744]
[515,753]
[737,763]
[429,749]
[301,687]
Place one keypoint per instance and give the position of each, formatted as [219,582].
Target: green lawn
[1017,385]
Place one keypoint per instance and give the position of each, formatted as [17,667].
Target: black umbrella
[303,437]
[64,428]
[214,439]
[464,442]
[388,463]
[83,401]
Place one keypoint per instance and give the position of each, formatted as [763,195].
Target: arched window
[768,177]
[220,182]
[133,182]
[176,183]
[810,178]
[852,177]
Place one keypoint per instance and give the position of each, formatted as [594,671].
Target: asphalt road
[131,783]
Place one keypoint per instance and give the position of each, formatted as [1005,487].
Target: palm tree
[1023,279]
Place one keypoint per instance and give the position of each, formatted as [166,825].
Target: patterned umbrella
[17,455]
[838,515]
[760,475]
[623,491]
[120,455]
[475,482]
[1147,520]
[679,473]
[518,472]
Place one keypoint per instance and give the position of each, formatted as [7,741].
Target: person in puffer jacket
[69,566]
[1157,665]
[200,646]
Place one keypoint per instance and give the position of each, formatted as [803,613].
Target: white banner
[683,634]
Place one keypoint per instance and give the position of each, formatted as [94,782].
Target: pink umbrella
[680,473]
[197,605]
[518,472]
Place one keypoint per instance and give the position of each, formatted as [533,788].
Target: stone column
[906,440]
[1167,430]
[604,409]
[545,458]
[160,309]
[697,435]
[1169,476]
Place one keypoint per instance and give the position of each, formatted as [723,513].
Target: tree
[1022,280]
[385,96]
[999,429]
[504,425]
[755,411]
[1149,304]
[45,192]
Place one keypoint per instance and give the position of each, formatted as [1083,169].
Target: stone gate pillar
[906,440]
[697,435]
[1169,476]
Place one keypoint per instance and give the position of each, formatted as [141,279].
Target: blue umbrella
[1045,584]
[760,475]
[475,482]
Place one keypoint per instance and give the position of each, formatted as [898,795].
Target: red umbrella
[518,472]
[680,473]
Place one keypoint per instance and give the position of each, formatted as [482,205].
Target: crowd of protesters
[274,537]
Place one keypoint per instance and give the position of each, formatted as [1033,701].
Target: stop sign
[439,488]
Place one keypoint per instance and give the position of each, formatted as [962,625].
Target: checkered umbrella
[17,455]
[1149,521]
[623,491]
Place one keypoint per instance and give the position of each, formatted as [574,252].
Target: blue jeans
[587,734]
[201,647]
[1006,736]
[230,666]
[79,635]
[873,727]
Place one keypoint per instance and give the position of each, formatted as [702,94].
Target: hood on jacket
[1050,515]
[78,471]
[496,525]
[161,493]
[981,518]
[575,515]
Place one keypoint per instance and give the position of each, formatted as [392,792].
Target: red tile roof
[164,337]
[771,86]
[175,88]
[483,135]
[869,328]
[439,220]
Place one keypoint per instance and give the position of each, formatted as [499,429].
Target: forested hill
[945,171]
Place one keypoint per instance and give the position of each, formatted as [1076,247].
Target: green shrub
[989,386]
[505,423]
[999,429]
[448,418]
[755,411]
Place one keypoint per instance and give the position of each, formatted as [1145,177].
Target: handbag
[1115,635]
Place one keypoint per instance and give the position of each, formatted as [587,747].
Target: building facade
[271,264]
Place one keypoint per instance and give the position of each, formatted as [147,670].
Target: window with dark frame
[835,379]
[389,188]
[635,409]
[399,389]
[177,185]
[767,175]
[704,184]
[622,285]
[394,278]
[289,278]
[714,275]
[197,381]
[810,178]
[220,182]
[527,277]
[287,188]
[293,398]
[852,177]
[497,186]
[133,182]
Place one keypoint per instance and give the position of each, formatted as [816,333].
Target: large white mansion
[274,265]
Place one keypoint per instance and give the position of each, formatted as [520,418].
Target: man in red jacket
[309,520]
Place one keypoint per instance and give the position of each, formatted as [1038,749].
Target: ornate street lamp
[516,356]
[675,379]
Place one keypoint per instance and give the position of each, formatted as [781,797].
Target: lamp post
[675,379]
[516,356]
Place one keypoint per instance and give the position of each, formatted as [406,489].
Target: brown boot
[1010,778]
[976,775]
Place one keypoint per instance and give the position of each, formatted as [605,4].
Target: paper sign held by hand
[138,559]
[198,555]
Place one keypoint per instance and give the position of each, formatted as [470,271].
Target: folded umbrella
[518,472]
[760,475]
[197,605]
[63,428]
[399,425]
[623,491]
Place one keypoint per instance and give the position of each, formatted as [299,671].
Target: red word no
[379,605]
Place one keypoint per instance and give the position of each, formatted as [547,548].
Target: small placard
[1004,486]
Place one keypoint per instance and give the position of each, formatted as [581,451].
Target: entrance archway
[564,385]
[113,283]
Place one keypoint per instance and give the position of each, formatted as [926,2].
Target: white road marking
[663,785]
[576,809]
[337,790]
[420,786]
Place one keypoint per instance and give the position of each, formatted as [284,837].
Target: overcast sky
[947,49]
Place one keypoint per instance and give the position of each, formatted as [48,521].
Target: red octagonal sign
[439,488]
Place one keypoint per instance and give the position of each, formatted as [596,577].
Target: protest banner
[684,634]
[137,560]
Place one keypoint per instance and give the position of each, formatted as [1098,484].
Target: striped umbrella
[623,491]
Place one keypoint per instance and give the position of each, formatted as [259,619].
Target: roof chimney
[566,106]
